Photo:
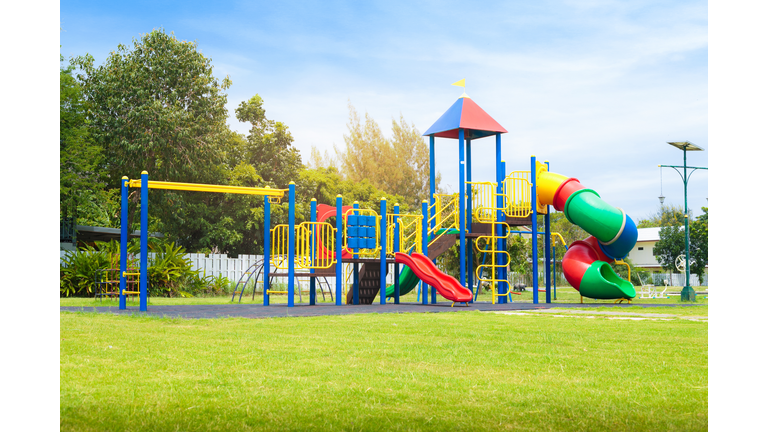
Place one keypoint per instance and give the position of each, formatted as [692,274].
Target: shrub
[77,271]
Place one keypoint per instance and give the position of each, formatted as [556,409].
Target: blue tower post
[144,241]
[291,241]
[424,243]
[471,254]
[547,248]
[534,232]
[383,264]
[432,180]
[339,263]
[312,251]
[123,238]
[502,242]
[355,268]
[462,216]
[396,248]
[500,174]
[267,251]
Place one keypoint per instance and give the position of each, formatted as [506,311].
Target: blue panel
[352,231]
[352,242]
[372,223]
[449,120]
[370,232]
[371,243]
[352,220]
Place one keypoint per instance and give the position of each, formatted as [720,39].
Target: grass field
[458,371]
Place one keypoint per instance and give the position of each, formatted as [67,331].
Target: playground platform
[325,309]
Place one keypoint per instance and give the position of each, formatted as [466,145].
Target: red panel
[473,117]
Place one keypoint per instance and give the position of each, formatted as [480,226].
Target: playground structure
[483,213]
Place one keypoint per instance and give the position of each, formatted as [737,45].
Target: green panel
[586,209]
[601,282]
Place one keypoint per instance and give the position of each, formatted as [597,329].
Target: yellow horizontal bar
[131,274]
[131,292]
[276,292]
[200,187]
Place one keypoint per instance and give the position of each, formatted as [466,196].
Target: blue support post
[312,251]
[383,264]
[267,251]
[396,248]
[355,268]
[500,174]
[144,240]
[424,244]
[471,254]
[291,241]
[501,244]
[123,238]
[534,232]
[547,256]
[339,264]
[462,216]
[432,179]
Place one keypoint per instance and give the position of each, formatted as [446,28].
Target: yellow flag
[460,83]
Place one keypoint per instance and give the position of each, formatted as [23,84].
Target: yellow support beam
[200,187]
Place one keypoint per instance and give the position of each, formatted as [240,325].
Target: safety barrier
[308,254]
[409,230]
[446,216]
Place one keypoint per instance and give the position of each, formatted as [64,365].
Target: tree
[156,106]
[399,165]
[269,145]
[699,248]
[670,245]
[81,185]
[664,216]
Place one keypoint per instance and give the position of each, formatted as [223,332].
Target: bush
[77,271]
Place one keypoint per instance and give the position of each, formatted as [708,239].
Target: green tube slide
[586,209]
[601,282]
[408,281]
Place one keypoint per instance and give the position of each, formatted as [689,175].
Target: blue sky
[595,87]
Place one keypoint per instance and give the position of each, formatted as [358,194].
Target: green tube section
[601,282]
[586,209]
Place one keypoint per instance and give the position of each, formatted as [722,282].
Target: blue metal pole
[355,268]
[534,232]
[291,241]
[144,241]
[471,254]
[554,277]
[462,216]
[424,244]
[339,263]
[432,185]
[383,264]
[547,247]
[123,238]
[312,218]
[267,251]
[396,248]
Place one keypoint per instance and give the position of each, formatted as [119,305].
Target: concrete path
[324,309]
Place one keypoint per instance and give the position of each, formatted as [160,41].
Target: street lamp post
[688,294]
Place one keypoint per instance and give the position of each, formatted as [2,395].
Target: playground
[428,351]
[364,244]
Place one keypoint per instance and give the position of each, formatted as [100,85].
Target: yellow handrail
[410,232]
[629,271]
[442,216]
[200,187]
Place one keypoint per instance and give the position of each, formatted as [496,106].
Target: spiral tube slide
[425,270]
[613,234]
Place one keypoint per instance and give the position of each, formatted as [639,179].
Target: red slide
[447,286]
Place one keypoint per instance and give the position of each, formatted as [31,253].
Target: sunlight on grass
[461,371]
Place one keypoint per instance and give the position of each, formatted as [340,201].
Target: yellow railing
[484,205]
[517,194]
[446,209]
[306,256]
[409,228]
[200,187]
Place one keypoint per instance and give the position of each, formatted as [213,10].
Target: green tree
[269,145]
[699,247]
[81,186]
[670,215]
[156,106]
[399,165]
[670,245]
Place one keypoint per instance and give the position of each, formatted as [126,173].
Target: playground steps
[370,280]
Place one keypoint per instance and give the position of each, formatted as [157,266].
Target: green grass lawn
[458,371]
